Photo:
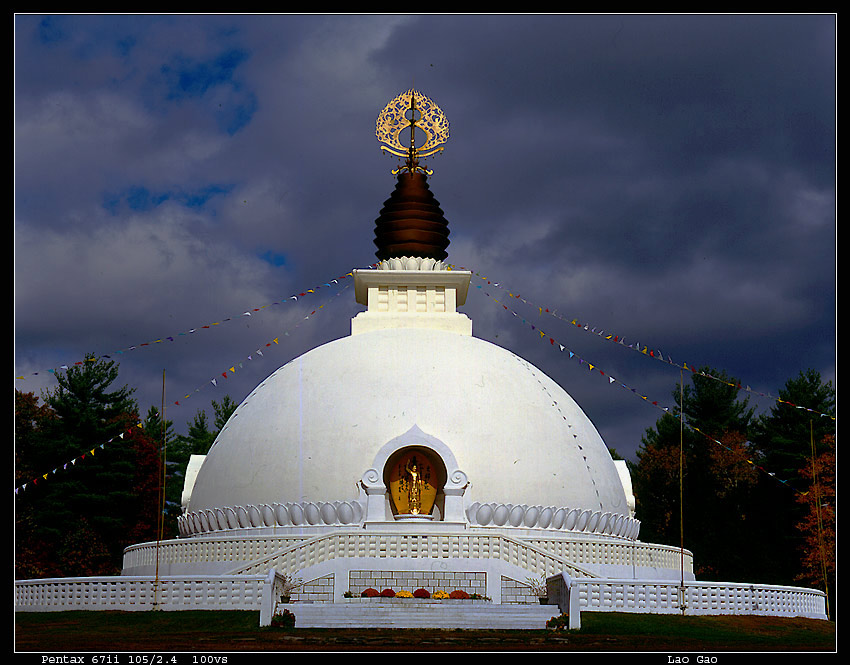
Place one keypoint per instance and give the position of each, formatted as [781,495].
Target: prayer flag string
[73,461]
[214,381]
[234,368]
[191,331]
[640,348]
[593,367]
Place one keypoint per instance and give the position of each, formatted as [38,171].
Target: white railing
[634,554]
[126,593]
[205,550]
[577,550]
[303,555]
[573,596]
[691,598]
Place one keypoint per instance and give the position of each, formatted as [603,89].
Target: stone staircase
[414,613]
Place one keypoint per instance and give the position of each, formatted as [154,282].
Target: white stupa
[410,454]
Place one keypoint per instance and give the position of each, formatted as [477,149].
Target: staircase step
[414,615]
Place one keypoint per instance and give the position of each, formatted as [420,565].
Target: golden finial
[412,110]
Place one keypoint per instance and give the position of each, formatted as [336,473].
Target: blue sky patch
[143,199]
[188,78]
[49,30]
[237,116]
[274,258]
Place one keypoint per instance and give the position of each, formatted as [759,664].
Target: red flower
[370,593]
[421,593]
[459,593]
[387,593]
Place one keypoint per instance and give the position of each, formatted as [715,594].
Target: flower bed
[418,595]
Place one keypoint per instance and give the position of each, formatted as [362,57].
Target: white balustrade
[126,593]
[691,598]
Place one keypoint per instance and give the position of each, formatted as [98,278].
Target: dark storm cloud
[676,122]
[669,178]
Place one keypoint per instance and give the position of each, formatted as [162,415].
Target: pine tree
[30,421]
[196,441]
[223,411]
[806,410]
[701,458]
[87,484]
[804,413]
[32,548]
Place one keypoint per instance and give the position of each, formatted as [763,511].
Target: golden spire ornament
[412,110]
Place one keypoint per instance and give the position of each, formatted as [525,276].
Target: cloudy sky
[666,179]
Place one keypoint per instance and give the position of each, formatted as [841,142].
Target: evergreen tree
[87,485]
[30,421]
[197,441]
[32,557]
[806,411]
[154,428]
[223,411]
[157,439]
[783,437]
[682,458]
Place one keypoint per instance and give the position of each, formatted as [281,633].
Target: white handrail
[700,598]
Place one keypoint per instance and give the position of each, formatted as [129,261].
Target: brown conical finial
[411,222]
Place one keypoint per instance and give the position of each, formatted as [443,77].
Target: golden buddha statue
[414,488]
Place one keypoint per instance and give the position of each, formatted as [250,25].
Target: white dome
[310,431]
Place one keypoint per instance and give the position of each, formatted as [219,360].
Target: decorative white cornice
[555,519]
[456,281]
[345,513]
[411,292]
[412,263]
[270,515]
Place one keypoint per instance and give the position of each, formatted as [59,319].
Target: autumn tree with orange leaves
[817,526]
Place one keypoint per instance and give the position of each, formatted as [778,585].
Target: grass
[719,632]
[217,632]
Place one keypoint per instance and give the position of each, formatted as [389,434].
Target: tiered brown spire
[411,223]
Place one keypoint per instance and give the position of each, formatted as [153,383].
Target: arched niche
[448,481]
[415,477]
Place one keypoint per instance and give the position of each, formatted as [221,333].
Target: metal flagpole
[161,501]
[681,491]
[816,487]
